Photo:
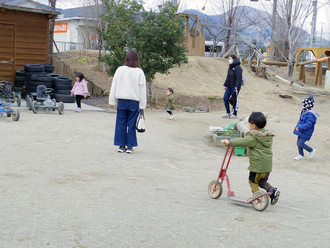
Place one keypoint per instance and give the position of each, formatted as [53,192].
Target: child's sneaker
[299,157]
[129,150]
[77,110]
[122,149]
[312,153]
[233,116]
[172,116]
[226,115]
[274,197]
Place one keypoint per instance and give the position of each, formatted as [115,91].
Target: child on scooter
[260,154]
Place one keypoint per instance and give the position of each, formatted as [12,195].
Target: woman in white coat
[129,89]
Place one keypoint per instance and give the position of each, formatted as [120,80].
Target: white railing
[62,46]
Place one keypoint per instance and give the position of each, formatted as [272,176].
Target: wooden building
[24,38]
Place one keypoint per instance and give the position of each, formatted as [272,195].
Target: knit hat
[308,103]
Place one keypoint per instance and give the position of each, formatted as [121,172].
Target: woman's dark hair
[132,59]
[233,56]
[258,119]
[170,90]
[80,76]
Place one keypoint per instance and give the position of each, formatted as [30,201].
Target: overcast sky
[322,16]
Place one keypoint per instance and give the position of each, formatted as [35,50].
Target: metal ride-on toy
[14,113]
[8,94]
[260,200]
[43,95]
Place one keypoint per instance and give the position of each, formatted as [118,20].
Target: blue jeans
[127,112]
[228,93]
[301,146]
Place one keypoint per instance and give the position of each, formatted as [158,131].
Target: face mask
[231,61]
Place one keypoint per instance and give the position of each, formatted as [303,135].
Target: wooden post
[316,73]
[320,73]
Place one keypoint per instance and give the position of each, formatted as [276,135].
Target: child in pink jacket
[79,90]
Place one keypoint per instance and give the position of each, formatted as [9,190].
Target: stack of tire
[33,77]
[19,82]
[63,86]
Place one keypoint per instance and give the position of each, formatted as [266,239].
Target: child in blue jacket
[305,127]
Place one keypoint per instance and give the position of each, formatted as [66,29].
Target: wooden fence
[64,69]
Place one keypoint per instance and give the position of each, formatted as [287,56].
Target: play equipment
[45,101]
[8,94]
[260,200]
[14,113]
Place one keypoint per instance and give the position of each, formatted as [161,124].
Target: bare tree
[52,6]
[292,16]
[232,13]
[92,23]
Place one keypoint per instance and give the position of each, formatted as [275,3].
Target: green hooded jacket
[260,149]
[169,102]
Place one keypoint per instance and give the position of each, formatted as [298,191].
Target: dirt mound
[198,83]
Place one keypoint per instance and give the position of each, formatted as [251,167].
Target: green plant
[228,133]
[82,60]
[213,99]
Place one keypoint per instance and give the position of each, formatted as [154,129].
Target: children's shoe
[274,197]
[299,157]
[122,149]
[80,110]
[129,150]
[226,115]
[172,116]
[312,153]
[233,116]
[77,110]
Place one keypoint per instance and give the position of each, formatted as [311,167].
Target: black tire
[19,100]
[29,74]
[35,106]
[41,78]
[63,92]
[30,89]
[23,94]
[61,87]
[63,80]
[18,84]
[54,75]
[20,73]
[64,98]
[48,67]
[20,78]
[60,108]
[18,89]
[34,68]
[36,84]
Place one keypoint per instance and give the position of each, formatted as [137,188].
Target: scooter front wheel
[215,189]
[262,202]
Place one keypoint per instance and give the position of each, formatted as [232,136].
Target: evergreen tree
[158,38]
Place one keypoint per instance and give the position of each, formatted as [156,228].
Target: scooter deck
[233,198]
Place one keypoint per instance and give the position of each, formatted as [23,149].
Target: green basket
[239,151]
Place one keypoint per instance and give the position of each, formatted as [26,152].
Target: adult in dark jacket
[232,85]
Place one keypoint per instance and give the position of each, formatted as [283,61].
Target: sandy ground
[63,184]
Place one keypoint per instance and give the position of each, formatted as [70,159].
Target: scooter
[260,200]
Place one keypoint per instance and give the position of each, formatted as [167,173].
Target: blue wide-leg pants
[127,112]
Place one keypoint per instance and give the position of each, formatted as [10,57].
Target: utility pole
[272,35]
[321,34]
[313,23]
